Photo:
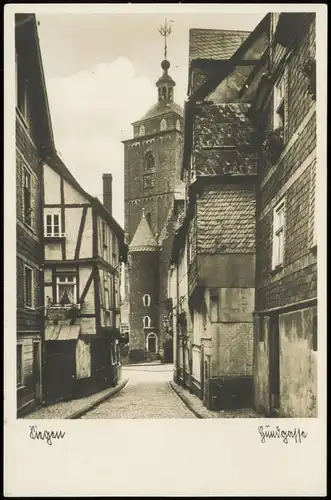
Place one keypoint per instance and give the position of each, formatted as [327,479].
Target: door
[60,370]
[36,371]
[274,361]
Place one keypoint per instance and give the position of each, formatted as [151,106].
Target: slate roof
[226,221]
[161,108]
[143,239]
[214,44]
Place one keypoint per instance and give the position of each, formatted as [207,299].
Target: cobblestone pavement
[196,404]
[146,395]
[64,409]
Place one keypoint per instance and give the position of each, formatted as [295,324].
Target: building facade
[285,351]
[152,167]
[249,228]
[218,233]
[84,248]
[34,142]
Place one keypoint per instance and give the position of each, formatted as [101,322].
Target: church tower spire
[165,84]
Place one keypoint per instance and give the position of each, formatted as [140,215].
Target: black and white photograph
[167,219]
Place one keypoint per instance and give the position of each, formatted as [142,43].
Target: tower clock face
[148,181]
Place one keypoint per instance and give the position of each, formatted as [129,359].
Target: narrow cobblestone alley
[146,395]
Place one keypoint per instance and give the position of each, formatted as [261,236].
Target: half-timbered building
[34,141]
[84,247]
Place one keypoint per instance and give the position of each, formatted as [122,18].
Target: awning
[62,332]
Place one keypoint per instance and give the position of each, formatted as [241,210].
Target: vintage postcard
[165,248]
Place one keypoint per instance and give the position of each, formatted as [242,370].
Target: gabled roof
[58,165]
[214,44]
[143,239]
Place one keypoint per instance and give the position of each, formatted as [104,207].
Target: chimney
[107,180]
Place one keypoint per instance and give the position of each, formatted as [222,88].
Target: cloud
[92,112]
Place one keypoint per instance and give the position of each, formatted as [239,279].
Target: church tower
[152,162]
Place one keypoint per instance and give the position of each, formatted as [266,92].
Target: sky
[100,72]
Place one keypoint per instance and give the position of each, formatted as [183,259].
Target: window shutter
[35,288]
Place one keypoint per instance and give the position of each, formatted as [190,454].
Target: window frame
[163,125]
[149,322]
[73,282]
[214,293]
[30,269]
[277,230]
[52,214]
[146,295]
[142,131]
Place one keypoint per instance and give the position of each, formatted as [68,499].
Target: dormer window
[146,300]
[142,130]
[163,125]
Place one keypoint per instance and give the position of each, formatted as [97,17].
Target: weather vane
[165,31]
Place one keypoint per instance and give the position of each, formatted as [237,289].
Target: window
[279,105]
[278,235]
[177,124]
[146,322]
[107,295]
[66,290]
[19,365]
[147,300]
[163,125]
[171,94]
[115,251]
[152,343]
[214,306]
[116,292]
[104,240]
[27,196]
[28,286]
[142,130]
[149,161]
[53,224]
